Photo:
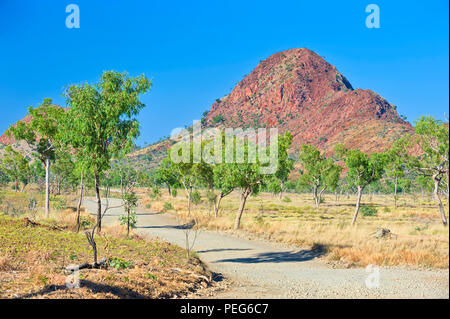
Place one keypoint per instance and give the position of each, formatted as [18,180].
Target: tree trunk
[281,189]
[169,189]
[128,222]
[47,186]
[358,202]
[217,204]
[244,196]
[189,203]
[99,201]
[319,199]
[80,202]
[395,193]
[437,179]
[315,195]
[448,184]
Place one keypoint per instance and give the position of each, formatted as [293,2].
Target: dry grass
[421,241]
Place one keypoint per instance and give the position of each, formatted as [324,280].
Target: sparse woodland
[336,202]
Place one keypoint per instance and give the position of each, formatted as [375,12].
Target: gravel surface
[258,269]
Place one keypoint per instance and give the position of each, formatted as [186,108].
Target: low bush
[368,211]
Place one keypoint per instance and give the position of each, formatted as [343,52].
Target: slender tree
[318,171]
[432,138]
[103,117]
[16,167]
[42,133]
[363,170]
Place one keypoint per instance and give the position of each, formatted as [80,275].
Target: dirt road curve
[261,270]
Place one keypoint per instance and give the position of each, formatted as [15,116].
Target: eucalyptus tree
[63,171]
[16,167]
[432,139]
[250,177]
[165,174]
[103,120]
[224,182]
[285,164]
[189,173]
[363,169]
[395,166]
[43,135]
[318,171]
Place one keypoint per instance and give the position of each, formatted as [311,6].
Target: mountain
[297,90]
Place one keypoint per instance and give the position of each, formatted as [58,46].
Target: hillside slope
[297,90]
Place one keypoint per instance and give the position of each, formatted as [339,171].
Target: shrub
[287,199]
[147,205]
[386,209]
[85,222]
[167,206]
[258,219]
[218,119]
[368,211]
[196,198]
[174,192]
[211,197]
[119,263]
[156,193]
[59,203]
[131,219]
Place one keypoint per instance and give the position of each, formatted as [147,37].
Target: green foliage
[368,211]
[129,219]
[43,132]
[58,203]
[318,171]
[167,207]
[85,222]
[114,102]
[155,193]
[364,169]
[286,199]
[165,174]
[15,166]
[218,119]
[211,197]
[196,197]
[119,263]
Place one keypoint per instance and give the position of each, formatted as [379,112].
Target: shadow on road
[221,249]
[276,257]
[185,226]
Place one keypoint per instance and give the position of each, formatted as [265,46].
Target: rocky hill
[297,90]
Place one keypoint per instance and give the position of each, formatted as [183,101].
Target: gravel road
[263,270]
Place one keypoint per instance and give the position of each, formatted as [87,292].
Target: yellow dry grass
[421,241]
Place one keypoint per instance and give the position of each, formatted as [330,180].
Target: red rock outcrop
[297,90]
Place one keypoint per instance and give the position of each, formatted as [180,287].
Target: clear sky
[196,51]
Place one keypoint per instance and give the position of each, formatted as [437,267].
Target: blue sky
[196,51]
